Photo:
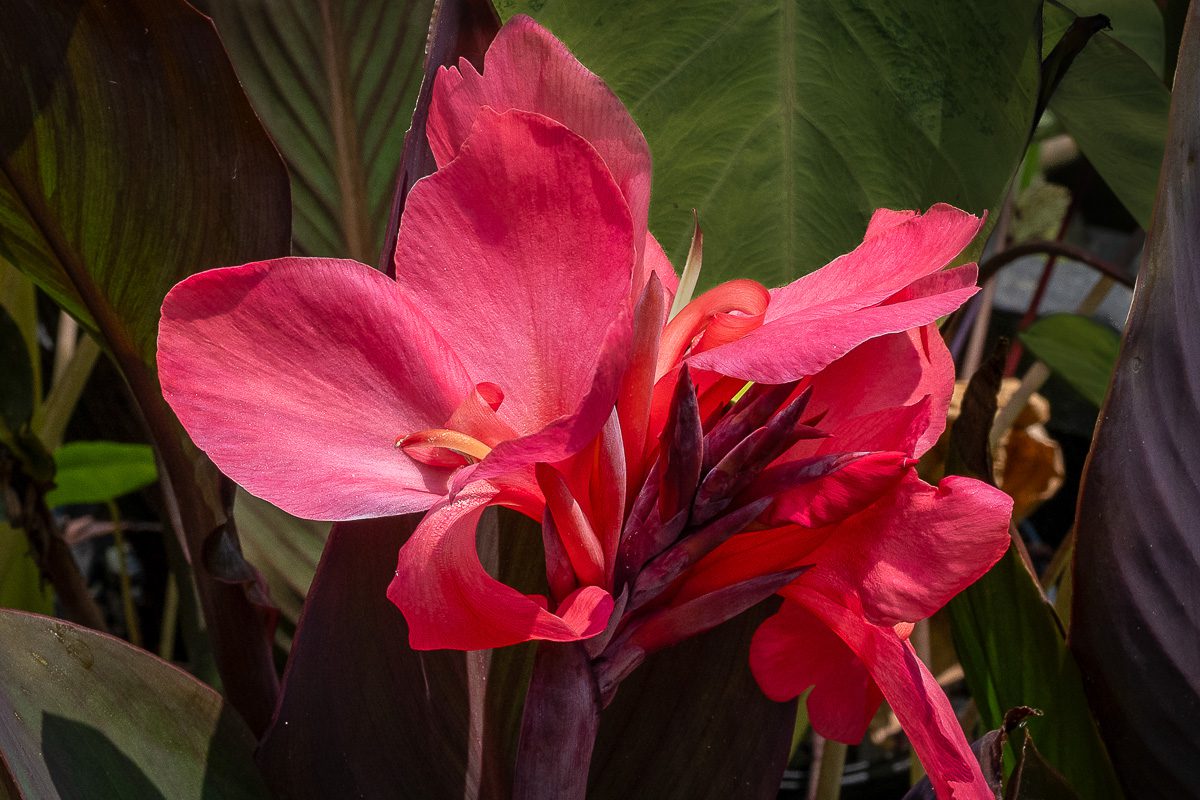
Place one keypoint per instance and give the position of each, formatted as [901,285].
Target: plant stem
[170,616]
[132,629]
[826,783]
[558,729]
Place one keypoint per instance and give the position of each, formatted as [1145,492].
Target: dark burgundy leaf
[1135,621]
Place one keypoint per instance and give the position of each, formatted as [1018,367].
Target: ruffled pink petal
[450,602]
[296,376]
[899,248]
[520,252]
[809,339]
[913,693]
[527,68]
[908,554]
[888,373]
[792,651]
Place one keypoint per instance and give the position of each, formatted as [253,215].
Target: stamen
[439,447]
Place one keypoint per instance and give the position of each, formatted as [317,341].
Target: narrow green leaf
[16,378]
[86,715]
[1077,348]
[1115,106]
[1134,620]
[21,584]
[97,472]
[335,84]
[787,124]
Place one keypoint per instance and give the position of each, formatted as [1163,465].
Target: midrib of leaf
[351,176]
[787,99]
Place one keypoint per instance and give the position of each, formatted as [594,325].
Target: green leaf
[21,584]
[1014,652]
[1134,624]
[1010,642]
[16,378]
[97,472]
[787,124]
[1115,106]
[1078,348]
[86,715]
[335,84]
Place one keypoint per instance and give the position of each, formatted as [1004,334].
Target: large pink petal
[450,602]
[296,376]
[520,253]
[527,68]
[913,693]
[793,650]
[807,340]
[908,554]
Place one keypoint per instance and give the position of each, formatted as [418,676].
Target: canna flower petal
[527,68]
[908,554]
[270,365]
[901,558]
[788,654]
[450,601]
[520,253]
[889,284]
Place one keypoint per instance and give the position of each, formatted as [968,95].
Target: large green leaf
[1078,348]
[1135,622]
[97,472]
[335,83]
[785,124]
[1115,106]
[86,715]
[130,158]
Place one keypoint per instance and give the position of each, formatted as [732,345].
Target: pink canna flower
[524,357]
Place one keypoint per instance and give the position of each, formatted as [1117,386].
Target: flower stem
[558,729]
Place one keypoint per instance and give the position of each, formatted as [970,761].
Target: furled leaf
[1115,106]
[335,84]
[86,715]
[787,124]
[1010,642]
[1035,779]
[1078,348]
[129,158]
[1135,624]
[1137,24]
[285,549]
[97,472]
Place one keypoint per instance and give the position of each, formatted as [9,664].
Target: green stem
[132,629]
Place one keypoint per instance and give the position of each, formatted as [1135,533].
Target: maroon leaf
[129,159]
[1135,620]
[361,714]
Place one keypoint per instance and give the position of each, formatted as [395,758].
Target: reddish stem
[558,729]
